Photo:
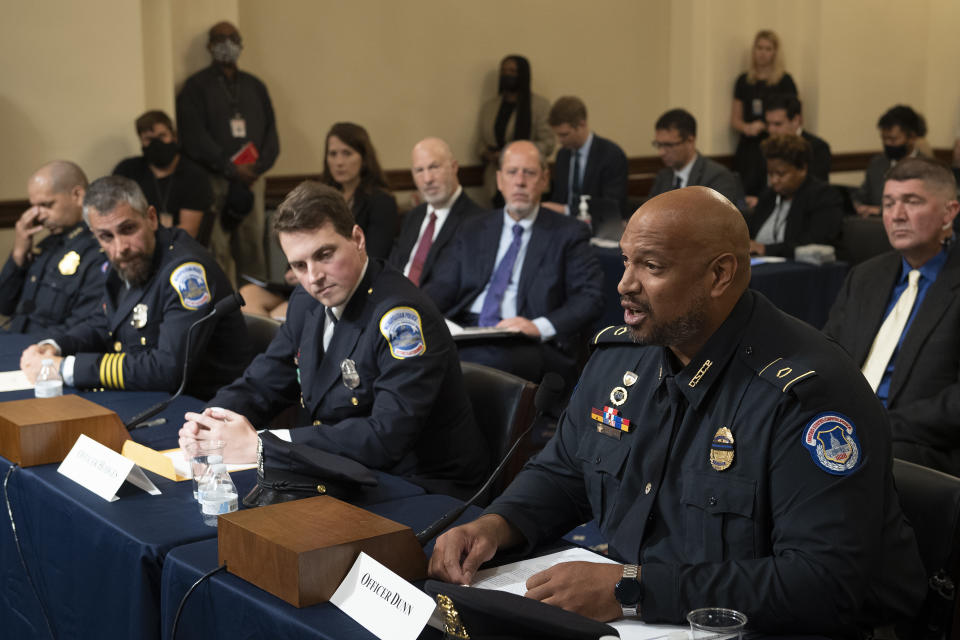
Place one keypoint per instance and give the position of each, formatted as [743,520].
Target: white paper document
[102,470]
[513,578]
[382,602]
[14,381]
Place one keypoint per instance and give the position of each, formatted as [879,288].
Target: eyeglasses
[666,145]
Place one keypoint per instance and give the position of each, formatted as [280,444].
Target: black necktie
[677,182]
[575,188]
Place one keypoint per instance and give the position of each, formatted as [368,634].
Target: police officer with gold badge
[56,283]
[365,356]
[160,282]
[732,456]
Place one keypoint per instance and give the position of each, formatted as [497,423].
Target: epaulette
[783,374]
[611,334]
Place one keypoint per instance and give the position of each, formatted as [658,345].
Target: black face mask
[897,152]
[159,153]
[509,83]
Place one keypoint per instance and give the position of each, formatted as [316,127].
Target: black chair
[260,331]
[862,238]
[931,502]
[503,408]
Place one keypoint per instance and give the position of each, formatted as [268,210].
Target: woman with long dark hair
[515,114]
[350,164]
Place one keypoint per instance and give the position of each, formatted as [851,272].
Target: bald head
[56,190]
[687,262]
[435,172]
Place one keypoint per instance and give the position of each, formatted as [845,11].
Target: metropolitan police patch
[190,281]
[403,330]
[832,442]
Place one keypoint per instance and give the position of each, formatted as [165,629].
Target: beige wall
[73,84]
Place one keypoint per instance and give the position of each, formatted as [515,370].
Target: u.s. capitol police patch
[190,281]
[403,330]
[832,442]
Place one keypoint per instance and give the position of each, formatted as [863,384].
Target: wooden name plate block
[42,430]
[301,551]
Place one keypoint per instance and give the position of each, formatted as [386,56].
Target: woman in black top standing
[350,164]
[765,77]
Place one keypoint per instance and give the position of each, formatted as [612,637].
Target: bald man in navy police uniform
[738,459]
[385,390]
[159,281]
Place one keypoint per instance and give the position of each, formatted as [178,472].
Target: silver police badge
[349,375]
[139,316]
[629,377]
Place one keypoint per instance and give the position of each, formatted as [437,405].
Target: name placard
[382,602]
[102,470]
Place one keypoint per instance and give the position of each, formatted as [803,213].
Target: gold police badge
[69,263]
[721,450]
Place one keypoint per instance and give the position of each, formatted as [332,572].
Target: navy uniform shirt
[59,287]
[136,340]
[758,477]
[404,410]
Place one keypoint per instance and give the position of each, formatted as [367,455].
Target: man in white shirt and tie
[429,228]
[898,315]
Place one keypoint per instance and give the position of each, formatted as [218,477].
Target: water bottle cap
[214,459]
[47,362]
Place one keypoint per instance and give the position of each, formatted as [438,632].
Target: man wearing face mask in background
[173,184]
[900,129]
[227,125]
[55,283]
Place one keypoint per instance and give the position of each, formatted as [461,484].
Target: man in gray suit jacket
[919,382]
[675,138]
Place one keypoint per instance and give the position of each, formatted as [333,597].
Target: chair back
[862,238]
[931,502]
[503,408]
[260,330]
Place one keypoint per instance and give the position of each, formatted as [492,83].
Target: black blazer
[604,180]
[704,173]
[924,398]
[560,279]
[462,210]
[815,216]
[820,157]
[376,214]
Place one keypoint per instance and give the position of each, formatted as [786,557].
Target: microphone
[226,305]
[548,395]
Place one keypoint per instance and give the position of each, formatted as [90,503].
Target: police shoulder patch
[190,282]
[832,442]
[402,328]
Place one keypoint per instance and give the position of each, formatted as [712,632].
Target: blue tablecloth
[803,290]
[226,606]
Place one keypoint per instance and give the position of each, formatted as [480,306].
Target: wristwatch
[628,591]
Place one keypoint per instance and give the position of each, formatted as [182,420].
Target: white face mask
[226,52]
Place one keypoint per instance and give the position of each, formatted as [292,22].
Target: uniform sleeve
[269,385]
[827,535]
[11,284]
[404,392]
[156,367]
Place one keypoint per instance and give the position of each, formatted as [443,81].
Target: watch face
[627,591]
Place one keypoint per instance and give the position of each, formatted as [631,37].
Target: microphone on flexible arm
[548,395]
[226,305]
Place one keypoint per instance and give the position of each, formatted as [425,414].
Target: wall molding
[642,171]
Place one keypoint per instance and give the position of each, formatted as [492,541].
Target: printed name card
[385,604]
[102,470]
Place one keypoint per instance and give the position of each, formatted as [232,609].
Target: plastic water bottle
[206,474]
[218,495]
[49,384]
[583,214]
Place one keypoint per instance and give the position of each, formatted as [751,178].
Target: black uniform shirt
[58,288]
[758,477]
